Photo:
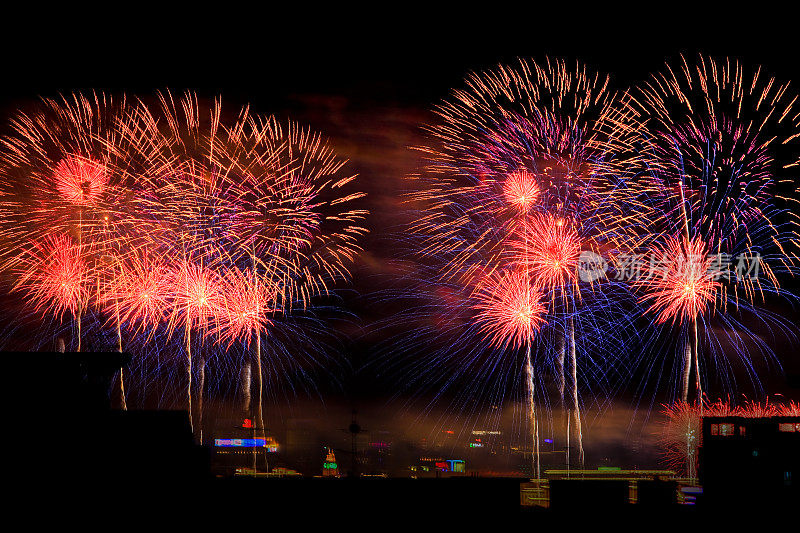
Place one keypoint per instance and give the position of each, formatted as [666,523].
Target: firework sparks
[142,292]
[550,248]
[59,171]
[80,181]
[521,190]
[197,296]
[246,309]
[509,310]
[684,284]
[710,140]
[251,217]
[184,218]
[520,175]
[251,193]
[54,276]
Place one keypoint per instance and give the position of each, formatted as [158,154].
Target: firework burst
[517,150]
[683,284]
[509,310]
[521,190]
[60,175]
[59,169]
[715,143]
[142,292]
[550,249]
[246,308]
[169,205]
[251,191]
[53,276]
[196,297]
[256,213]
[80,181]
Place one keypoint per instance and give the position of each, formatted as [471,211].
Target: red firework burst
[682,284]
[197,296]
[521,190]
[790,409]
[751,409]
[551,249]
[509,309]
[246,308]
[53,275]
[142,292]
[79,180]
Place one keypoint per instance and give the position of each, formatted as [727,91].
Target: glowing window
[723,430]
[787,428]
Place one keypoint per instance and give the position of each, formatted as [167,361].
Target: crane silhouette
[355,430]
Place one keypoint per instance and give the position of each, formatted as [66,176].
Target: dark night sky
[367,82]
[402,55]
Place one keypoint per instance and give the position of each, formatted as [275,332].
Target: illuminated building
[488,440]
[285,472]
[438,467]
[750,459]
[239,447]
[377,454]
[268,443]
[330,467]
[606,486]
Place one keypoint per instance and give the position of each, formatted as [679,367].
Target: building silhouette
[750,460]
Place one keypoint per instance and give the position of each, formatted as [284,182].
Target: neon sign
[240,443]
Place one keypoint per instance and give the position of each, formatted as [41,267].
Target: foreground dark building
[750,460]
[83,442]
[101,462]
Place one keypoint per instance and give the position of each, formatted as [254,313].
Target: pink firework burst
[551,249]
[142,291]
[53,275]
[246,308]
[681,433]
[197,296]
[790,409]
[521,190]
[509,310]
[683,285]
[80,181]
